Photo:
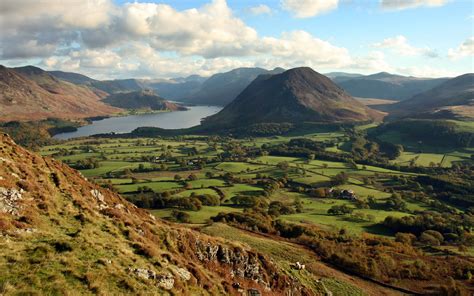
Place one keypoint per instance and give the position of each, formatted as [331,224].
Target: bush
[340,210]
[181,216]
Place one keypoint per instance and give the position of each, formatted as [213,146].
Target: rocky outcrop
[9,199]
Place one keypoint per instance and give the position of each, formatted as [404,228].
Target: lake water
[126,124]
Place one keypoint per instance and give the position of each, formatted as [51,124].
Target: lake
[126,124]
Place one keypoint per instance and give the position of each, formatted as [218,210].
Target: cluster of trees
[194,202]
[435,228]
[87,163]
[340,210]
[363,148]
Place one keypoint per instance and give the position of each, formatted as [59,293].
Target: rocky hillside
[296,95]
[61,234]
[29,93]
[385,85]
[144,99]
[452,99]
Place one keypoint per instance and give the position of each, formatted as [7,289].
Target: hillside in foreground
[61,233]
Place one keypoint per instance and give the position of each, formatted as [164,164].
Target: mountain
[61,234]
[29,93]
[220,89]
[451,99]
[296,95]
[386,86]
[145,99]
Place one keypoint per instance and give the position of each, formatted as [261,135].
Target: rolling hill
[451,99]
[385,85]
[145,99]
[220,89]
[296,95]
[29,93]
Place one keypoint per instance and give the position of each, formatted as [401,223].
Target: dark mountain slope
[296,95]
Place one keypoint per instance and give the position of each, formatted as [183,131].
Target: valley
[203,181]
[241,148]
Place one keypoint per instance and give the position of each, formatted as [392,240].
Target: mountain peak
[30,70]
[296,95]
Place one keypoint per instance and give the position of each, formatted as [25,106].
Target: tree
[339,179]
[284,165]
[405,238]
[340,210]
[319,192]
[177,177]
[181,216]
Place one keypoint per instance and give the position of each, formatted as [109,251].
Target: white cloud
[373,62]
[149,40]
[406,4]
[309,8]
[260,9]
[301,48]
[399,44]
[466,49]
[425,71]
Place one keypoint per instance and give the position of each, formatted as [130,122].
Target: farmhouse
[342,194]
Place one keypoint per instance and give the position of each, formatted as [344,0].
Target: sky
[111,39]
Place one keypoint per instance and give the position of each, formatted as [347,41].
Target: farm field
[193,166]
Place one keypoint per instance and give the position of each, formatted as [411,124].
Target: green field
[161,160]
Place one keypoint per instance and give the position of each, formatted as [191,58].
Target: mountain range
[385,85]
[452,99]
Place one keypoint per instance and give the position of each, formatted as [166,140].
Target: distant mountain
[451,99]
[144,99]
[30,93]
[385,85]
[296,95]
[177,88]
[220,89]
[341,76]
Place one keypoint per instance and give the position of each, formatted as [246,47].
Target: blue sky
[160,39]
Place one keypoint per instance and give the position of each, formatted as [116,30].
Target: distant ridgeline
[432,132]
